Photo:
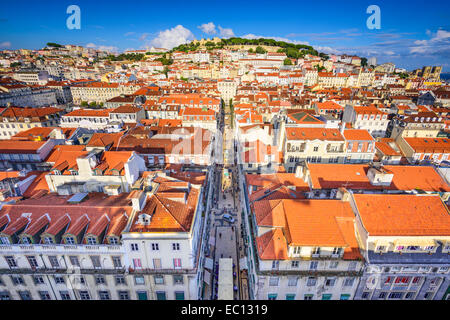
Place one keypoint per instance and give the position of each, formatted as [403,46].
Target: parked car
[228,218]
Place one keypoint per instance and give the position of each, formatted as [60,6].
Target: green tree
[287,62]
[260,50]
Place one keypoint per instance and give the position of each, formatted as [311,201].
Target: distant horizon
[412,33]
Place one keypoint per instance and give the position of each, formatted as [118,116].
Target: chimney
[137,200]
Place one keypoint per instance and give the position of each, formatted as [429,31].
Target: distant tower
[372,61]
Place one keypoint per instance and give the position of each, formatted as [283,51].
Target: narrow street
[225,214]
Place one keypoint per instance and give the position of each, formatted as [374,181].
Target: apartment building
[100,91]
[227,89]
[14,120]
[25,96]
[360,146]
[138,245]
[90,119]
[304,250]
[24,155]
[420,125]
[32,77]
[315,145]
[405,240]
[424,150]
[199,117]
[110,172]
[369,118]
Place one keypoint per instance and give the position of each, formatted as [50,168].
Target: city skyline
[329,29]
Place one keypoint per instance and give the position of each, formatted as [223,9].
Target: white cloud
[208,28]
[439,44]
[171,38]
[129,34]
[5,44]
[226,32]
[102,48]
[441,35]
[327,50]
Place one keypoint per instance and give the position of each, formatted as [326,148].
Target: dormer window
[337,251]
[70,240]
[48,240]
[26,240]
[91,240]
[4,240]
[113,240]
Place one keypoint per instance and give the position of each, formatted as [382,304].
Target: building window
[134,247]
[139,280]
[25,295]
[155,246]
[137,263]
[345,296]
[177,279]
[311,282]
[292,281]
[96,262]
[59,279]
[117,262]
[17,280]
[313,265]
[329,282]
[158,279]
[334,264]
[160,295]
[32,261]
[74,261]
[11,261]
[44,295]
[38,280]
[348,282]
[295,264]
[124,295]
[120,280]
[64,295]
[308,296]
[326,296]
[104,295]
[273,281]
[395,295]
[100,280]
[91,240]
[4,295]
[179,295]
[84,295]
[175,246]
[113,240]
[272,296]
[177,263]
[53,261]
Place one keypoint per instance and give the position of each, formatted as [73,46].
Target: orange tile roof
[403,215]
[313,134]
[354,176]
[358,134]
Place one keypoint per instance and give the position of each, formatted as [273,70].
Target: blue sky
[413,33]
